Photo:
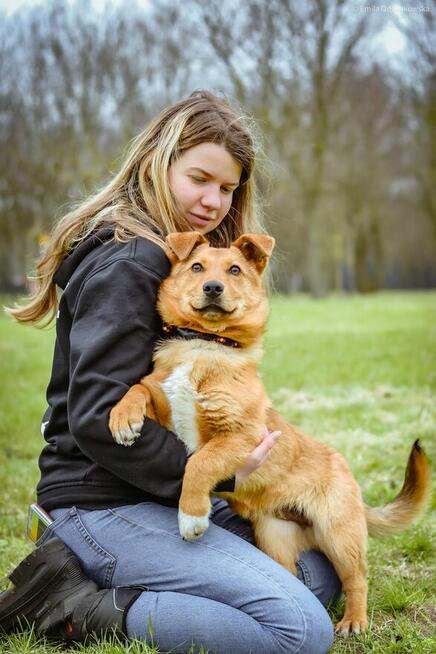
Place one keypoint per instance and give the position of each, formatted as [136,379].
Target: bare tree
[287,59]
[420,31]
[76,85]
[350,147]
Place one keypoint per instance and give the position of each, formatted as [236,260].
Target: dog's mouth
[213,309]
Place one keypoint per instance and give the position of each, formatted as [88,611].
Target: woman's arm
[114,328]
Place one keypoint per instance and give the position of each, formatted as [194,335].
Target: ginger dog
[209,393]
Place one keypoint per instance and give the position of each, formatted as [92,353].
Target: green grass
[358,373]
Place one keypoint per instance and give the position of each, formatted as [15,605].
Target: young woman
[113,558]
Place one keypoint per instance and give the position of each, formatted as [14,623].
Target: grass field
[358,373]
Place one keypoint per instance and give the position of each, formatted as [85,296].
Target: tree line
[348,170]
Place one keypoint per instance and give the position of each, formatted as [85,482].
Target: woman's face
[202,181]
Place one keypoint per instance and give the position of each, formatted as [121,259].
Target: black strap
[190,334]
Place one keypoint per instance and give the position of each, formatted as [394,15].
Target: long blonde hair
[138,200]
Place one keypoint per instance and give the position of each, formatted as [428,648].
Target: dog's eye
[197,267]
[234,270]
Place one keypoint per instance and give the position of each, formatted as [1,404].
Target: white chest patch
[182,396]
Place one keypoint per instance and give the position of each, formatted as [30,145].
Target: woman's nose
[211,199]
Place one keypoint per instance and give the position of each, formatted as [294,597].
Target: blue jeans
[219,592]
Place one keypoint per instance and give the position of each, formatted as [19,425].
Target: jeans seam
[248,565]
[95,546]
[305,573]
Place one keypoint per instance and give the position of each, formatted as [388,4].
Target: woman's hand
[258,455]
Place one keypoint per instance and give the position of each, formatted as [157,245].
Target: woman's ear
[181,244]
[256,248]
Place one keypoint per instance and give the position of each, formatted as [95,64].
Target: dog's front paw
[351,626]
[125,428]
[129,435]
[192,527]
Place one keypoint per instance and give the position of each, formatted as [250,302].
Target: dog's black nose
[213,288]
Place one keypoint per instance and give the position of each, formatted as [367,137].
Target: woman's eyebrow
[206,174]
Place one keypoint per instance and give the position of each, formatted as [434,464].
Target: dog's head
[217,290]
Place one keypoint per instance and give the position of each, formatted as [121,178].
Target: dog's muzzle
[213,289]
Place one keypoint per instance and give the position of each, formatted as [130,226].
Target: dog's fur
[304,495]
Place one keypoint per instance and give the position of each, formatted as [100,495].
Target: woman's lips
[198,220]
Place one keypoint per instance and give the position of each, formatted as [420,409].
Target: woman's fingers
[269,440]
[258,455]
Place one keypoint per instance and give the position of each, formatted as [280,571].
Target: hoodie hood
[71,262]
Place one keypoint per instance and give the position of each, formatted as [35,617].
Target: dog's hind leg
[345,546]
[282,540]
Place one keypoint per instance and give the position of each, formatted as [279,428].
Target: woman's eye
[198,180]
[227,190]
[234,270]
[197,267]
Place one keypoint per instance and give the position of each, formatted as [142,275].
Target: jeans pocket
[97,563]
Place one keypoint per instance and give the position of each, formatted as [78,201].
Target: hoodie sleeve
[114,328]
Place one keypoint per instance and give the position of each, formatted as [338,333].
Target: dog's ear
[256,248]
[181,244]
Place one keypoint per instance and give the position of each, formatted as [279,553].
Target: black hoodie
[106,328]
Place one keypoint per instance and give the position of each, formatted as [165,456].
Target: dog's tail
[411,500]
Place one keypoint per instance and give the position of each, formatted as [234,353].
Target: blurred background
[342,92]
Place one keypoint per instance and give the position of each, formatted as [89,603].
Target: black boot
[52,592]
